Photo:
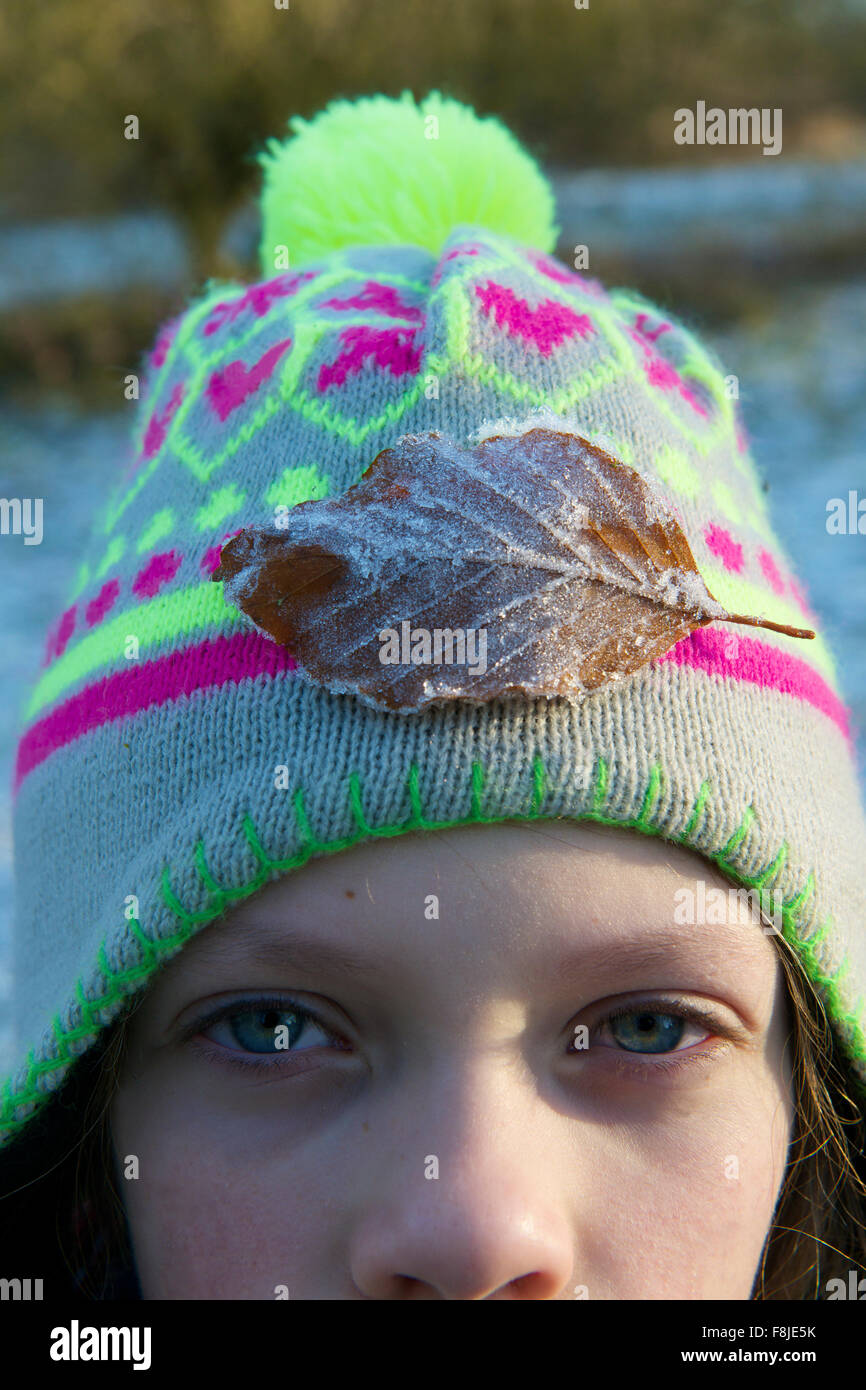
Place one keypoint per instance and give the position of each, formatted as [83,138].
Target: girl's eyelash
[263,1062]
[260,1004]
[658,1062]
[666,1062]
[672,1008]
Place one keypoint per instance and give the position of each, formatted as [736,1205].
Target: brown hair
[818,1230]
[96,1241]
[60,1202]
[819,1227]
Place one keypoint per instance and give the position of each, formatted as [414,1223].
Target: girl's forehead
[500,903]
[554,860]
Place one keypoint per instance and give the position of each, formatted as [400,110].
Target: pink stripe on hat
[710,650]
[211,663]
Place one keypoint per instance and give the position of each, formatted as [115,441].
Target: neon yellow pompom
[382,171]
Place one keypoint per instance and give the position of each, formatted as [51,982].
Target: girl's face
[395,1075]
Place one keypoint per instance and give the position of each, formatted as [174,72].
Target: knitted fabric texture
[170,760]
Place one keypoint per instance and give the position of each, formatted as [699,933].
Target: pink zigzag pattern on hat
[660,373]
[723,545]
[164,342]
[102,603]
[547,325]
[260,298]
[230,387]
[563,276]
[59,635]
[393,349]
[771,572]
[159,570]
[158,425]
[383,299]
[466,248]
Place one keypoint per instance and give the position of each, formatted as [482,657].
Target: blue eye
[646,1030]
[261,1027]
[256,1029]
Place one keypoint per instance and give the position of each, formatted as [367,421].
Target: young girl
[363,976]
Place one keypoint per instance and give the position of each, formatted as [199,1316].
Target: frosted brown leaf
[546,567]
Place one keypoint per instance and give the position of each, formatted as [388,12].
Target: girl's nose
[472,1213]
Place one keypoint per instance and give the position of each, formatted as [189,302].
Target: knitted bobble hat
[173,758]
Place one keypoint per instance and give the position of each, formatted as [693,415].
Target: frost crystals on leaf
[567,559]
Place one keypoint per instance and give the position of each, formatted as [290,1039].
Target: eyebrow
[277,946]
[267,944]
[641,953]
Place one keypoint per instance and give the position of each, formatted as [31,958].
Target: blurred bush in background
[211,79]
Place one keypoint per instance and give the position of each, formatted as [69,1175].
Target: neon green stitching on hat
[81,578]
[700,802]
[145,943]
[539,777]
[30,1095]
[160,524]
[112,554]
[725,501]
[203,870]
[357,808]
[774,867]
[477,789]
[84,1003]
[650,795]
[39,1068]
[458,320]
[222,503]
[600,784]
[798,902]
[306,331]
[62,1041]
[254,842]
[280,396]
[674,469]
[301,817]
[115,975]
[304,483]
[102,962]
[415,798]
[739,833]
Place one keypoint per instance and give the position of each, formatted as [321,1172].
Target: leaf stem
[765,622]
